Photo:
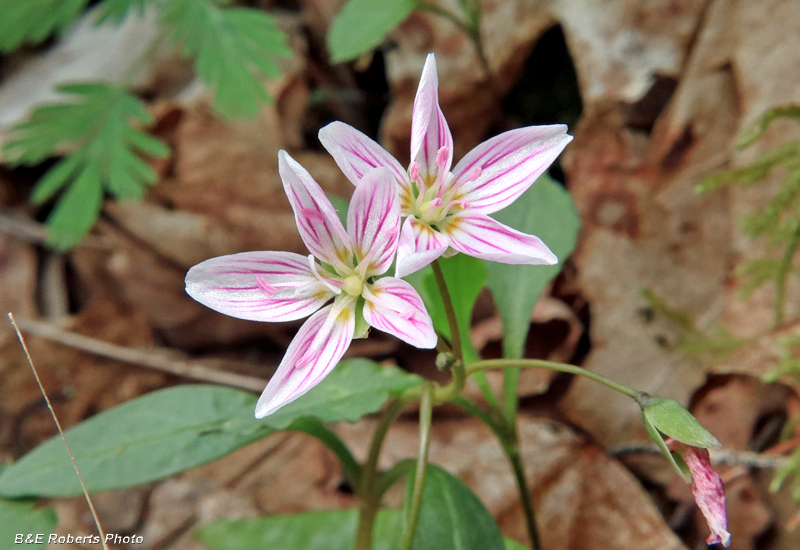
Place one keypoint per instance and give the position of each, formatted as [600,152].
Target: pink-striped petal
[356,154]
[258,286]
[373,221]
[430,133]
[496,172]
[317,221]
[316,349]
[419,245]
[478,235]
[392,305]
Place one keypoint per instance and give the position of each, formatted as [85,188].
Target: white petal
[496,172]
[316,349]
[429,130]
[394,306]
[373,221]
[419,245]
[258,286]
[478,235]
[356,154]
[317,221]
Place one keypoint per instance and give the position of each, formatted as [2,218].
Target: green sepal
[670,418]
[362,327]
[659,440]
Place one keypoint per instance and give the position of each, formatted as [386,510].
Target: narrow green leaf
[149,438]
[328,530]
[19,517]
[452,517]
[356,387]
[362,24]
[670,418]
[77,210]
[547,211]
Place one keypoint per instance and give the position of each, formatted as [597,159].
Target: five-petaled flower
[283,286]
[447,212]
[707,488]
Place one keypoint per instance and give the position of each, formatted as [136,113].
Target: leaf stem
[491,364]
[367,493]
[425,413]
[512,452]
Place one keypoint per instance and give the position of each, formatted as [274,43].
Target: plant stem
[783,273]
[425,413]
[510,387]
[512,452]
[370,499]
[442,395]
[315,428]
[491,364]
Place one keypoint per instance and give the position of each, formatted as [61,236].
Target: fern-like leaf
[234,49]
[116,10]
[32,21]
[101,127]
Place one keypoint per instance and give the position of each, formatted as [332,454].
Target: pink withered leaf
[448,211]
[342,266]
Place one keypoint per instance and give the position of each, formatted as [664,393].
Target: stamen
[331,284]
[437,202]
[413,172]
[441,158]
[475,174]
[463,203]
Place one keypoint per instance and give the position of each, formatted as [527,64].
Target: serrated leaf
[355,388]
[362,24]
[116,10]
[328,530]
[670,418]
[546,210]
[234,49]
[452,517]
[20,517]
[149,438]
[100,123]
[32,21]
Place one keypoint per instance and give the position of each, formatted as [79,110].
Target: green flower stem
[510,387]
[425,413]
[512,452]
[492,364]
[367,493]
[447,393]
[394,474]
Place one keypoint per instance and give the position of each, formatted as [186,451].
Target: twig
[722,457]
[157,359]
[60,431]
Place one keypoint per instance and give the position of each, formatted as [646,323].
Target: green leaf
[100,123]
[356,387]
[465,277]
[32,21]
[234,49]
[362,24]
[149,438]
[670,418]
[511,544]
[328,530]
[341,205]
[116,10]
[452,517]
[20,517]
[656,436]
[547,211]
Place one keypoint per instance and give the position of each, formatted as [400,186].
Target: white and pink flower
[283,286]
[448,211]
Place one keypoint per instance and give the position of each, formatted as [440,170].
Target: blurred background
[671,290]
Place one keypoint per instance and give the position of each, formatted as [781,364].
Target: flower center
[353,285]
[434,197]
